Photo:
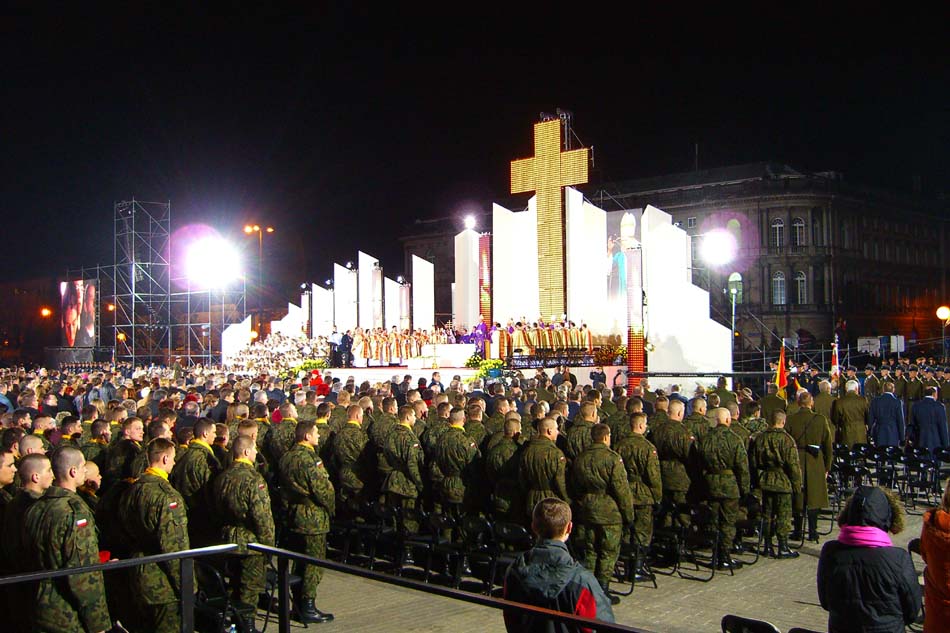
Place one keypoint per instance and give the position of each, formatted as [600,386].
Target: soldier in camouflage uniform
[474,428]
[726,471]
[753,422]
[280,437]
[696,421]
[578,436]
[501,467]
[308,411]
[352,461]
[378,431]
[403,485]
[325,431]
[674,446]
[646,486]
[192,477]
[456,461]
[153,515]
[97,448]
[243,508]
[62,532]
[122,453]
[661,414]
[309,495]
[496,423]
[602,505]
[543,467]
[620,422]
[774,456]
[339,415]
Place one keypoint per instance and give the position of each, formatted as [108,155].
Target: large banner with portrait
[78,312]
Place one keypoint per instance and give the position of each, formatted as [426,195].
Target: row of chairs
[738,624]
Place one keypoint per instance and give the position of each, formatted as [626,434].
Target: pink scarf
[864,536]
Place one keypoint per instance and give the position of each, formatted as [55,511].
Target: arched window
[798,232]
[801,288]
[735,229]
[777,233]
[778,289]
[735,286]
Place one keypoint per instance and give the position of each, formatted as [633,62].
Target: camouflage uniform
[455,458]
[307,413]
[20,598]
[243,508]
[726,470]
[403,484]
[501,468]
[325,434]
[674,445]
[280,437]
[477,431]
[495,424]
[119,461]
[62,534]
[153,514]
[352,462]
[192,477]
[542,473]
[337,418]
[697,424]
[378,432]
[619,424]
[308,493]
[96,451]
[646,486]
[603,505]
[578,438]
[775,457]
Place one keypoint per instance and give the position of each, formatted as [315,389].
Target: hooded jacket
[867,589]
[547,576]
[935,548]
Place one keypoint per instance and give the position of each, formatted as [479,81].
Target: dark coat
[886,420]
[928,424]
[546,576]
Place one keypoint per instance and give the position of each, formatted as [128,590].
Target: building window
[778,289]
[798,232]
[694,250]
[801,288]
[735,284]
[691,223]
[777,234]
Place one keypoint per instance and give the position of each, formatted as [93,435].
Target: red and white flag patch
[173,505]
[81,523]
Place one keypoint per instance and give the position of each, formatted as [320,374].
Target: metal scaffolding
[142,292]
[201,316]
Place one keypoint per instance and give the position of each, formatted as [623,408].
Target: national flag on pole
[781,375]
[835,370]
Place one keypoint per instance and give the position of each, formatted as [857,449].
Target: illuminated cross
[546,173]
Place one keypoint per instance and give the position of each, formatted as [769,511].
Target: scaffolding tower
[141,277]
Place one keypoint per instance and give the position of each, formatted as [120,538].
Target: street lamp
[250,229]
[943,313]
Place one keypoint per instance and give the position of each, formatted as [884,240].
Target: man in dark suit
[886,418]
[676,395]
[928,422]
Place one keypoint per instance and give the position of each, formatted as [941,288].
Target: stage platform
[382,374]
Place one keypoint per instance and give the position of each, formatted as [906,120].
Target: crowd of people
[105,463]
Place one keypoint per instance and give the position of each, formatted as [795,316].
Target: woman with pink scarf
[865,583]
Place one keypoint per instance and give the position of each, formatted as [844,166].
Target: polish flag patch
[173,505]
[81,523]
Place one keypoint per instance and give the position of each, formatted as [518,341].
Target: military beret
[870,367]
[927,369]
[912,368]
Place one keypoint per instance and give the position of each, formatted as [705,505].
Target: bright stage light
[470,222]
[212,263]
[943,313]
[718,248]
[45,312]
[111,307]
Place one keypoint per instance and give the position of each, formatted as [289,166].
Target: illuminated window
[801,288]
[778,289]
[735,283]
[691,223]
[777,234]
[798,232]
[735,229]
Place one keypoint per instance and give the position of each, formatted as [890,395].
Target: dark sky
[341,127]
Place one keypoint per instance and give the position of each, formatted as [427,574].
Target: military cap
[852,368]
[912,368]
[870,367]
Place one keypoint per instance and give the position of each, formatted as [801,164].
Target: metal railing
[187,560]
[283,592]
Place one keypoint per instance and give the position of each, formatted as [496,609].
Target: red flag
[781,375]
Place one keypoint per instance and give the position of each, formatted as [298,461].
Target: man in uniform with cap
[772,402]
[812,434]
[872,386]
[914,390]
[900,383]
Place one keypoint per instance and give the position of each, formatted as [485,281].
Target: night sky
[341,127]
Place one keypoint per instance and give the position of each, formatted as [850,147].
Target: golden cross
[546,173]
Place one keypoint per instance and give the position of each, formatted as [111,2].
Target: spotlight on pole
[718,248]
[349,265]
[470,222]
[45,312]
[328,282]
[212,262]
[400,279]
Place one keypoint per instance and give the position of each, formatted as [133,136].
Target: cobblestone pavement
[782,592]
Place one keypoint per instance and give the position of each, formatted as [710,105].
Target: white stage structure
[423,294]
[345,298]
[235,338]
[391,299]
[515,248]
[370,291]
[294,324]
[465,294]
[321,299]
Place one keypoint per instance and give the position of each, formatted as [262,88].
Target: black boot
[726,561]
[614,598]
[309,614]
[767,549]
[813,526]
[640,572]
[783,549]
[796,534]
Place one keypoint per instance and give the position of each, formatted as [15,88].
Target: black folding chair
[511,540]
[738,624]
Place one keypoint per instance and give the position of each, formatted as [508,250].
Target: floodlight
[400,279]
[328,282]
[349,265]
[120,336]
[254,334]
[470,222]
[718,248]
[45,312]
[943,313]
[111,307]
[248,229]
[211,262]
